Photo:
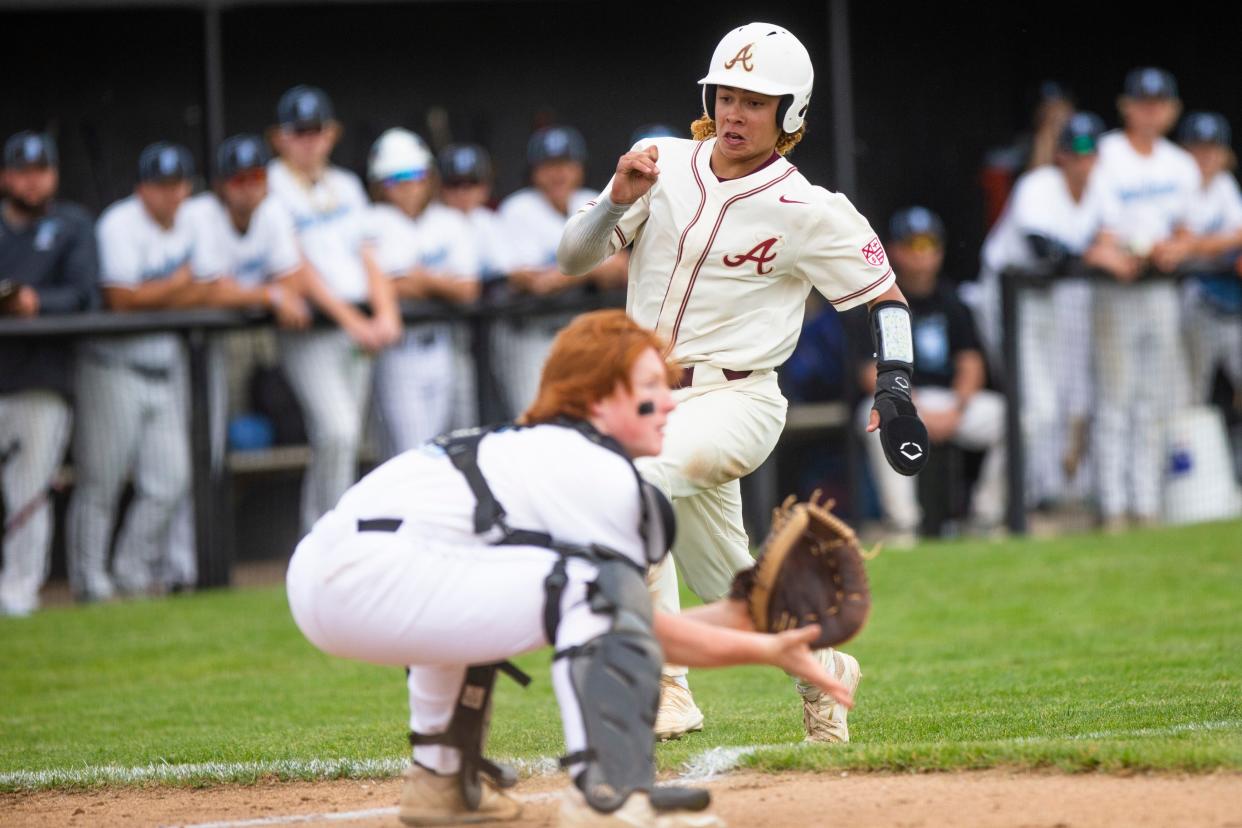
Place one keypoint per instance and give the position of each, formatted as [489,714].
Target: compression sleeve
[586,240]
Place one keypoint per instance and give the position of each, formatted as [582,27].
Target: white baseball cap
[400,154]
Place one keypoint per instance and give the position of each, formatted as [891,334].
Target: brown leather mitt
[809,571]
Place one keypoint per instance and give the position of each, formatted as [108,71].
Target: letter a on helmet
[764,58]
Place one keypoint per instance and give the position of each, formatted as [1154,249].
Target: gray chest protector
[615,676]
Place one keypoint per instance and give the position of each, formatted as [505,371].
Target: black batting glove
[902,433]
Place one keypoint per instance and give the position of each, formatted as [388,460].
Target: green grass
[1083,653]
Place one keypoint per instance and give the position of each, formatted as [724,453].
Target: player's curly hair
[705,128]
[589,357]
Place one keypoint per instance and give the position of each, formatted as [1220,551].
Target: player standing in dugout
[728,239]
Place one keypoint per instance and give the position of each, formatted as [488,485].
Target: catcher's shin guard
[616,678]
[467,730]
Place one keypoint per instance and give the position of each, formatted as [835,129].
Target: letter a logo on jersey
[743,56]
[760,254]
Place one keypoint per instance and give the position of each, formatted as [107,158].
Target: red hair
[588,358]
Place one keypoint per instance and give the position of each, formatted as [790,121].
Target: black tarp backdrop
[934,86]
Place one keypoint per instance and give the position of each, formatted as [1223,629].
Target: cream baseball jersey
[721,269]
[549,478]
[1153,193]
[267,250]
[329,216]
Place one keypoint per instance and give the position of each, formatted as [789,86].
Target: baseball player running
[728,239]
[329,370]
[47,255]
[533,219]
[1213,300]
[136,387]
[489,543]
[428,251]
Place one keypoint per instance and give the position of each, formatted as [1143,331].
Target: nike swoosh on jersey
[791,201]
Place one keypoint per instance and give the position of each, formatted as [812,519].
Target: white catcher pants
[436,607]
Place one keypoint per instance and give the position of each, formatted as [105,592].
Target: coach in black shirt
[948,380]
[48,265]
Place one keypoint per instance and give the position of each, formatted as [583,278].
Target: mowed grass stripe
[1020,653]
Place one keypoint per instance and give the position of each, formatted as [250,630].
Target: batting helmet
[764,58]
[398,153]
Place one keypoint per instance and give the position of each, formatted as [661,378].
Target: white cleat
[824,719]
[678,714]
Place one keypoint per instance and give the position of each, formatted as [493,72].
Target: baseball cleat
[678,714]
[431,799]
[824,719]
[637,812]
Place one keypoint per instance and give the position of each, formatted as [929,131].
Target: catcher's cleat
[431,799]
[637,812]
[824,719]
[678,714]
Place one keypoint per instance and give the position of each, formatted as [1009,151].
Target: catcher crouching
[481,545]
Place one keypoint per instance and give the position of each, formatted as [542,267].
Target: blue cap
[29,149]
[239,153]
[912,222]
[1204,128]
[164,161]
[556,143]
[1149,82]
[1081,133]
[304,107]
[652,131]
[464,164]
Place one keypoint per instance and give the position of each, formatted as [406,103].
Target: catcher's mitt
[809,571]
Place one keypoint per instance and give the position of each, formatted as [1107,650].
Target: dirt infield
[991,798]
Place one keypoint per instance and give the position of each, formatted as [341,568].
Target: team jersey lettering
[873,252]
[760,254]
[743,56]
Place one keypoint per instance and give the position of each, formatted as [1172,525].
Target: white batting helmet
[765,58]
[398,152]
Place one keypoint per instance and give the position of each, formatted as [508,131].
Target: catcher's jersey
[1152,194]
[267,250]
[439,240]
[134,249]
[329,216]
[722,269]
[549,478]
[1041,204]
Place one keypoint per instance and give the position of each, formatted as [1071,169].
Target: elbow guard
[902,433]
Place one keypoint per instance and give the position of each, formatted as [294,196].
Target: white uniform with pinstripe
[131,422]
[415,380]
[722,269]
[328,372]
[533,229]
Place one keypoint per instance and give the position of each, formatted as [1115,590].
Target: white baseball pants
[414,388]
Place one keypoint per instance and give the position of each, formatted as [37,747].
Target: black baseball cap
[165,161]
[1204,128]
[239,153]
[1149,82]
[913,222]
[464,164]
[648,131]
[556,143]
[1081,133]
[30,149]
[304,107]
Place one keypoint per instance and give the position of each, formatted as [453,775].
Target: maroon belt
[687,376]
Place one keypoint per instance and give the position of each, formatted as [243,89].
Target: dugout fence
[1127,397]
